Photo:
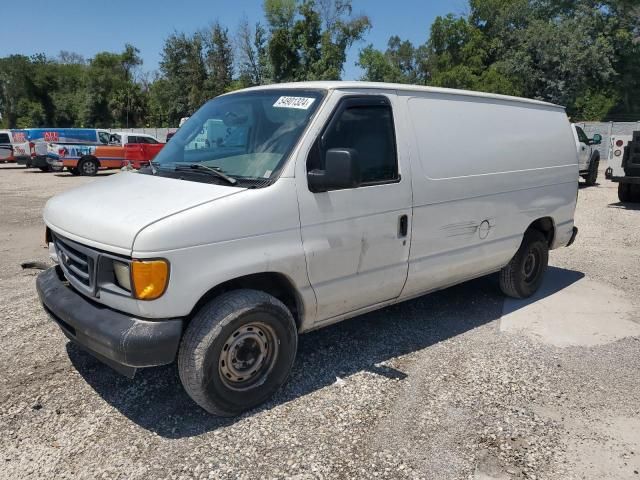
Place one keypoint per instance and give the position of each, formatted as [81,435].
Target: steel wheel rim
[247,356]
[531,266]
[88,167]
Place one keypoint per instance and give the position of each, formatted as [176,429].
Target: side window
[133,139]
[582,136]
[114,139]
[4,138]
[148,140]
[103,137]
[368,129]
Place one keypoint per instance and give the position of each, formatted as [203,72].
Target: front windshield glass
[247,136]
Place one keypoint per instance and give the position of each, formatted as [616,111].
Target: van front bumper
[122,341]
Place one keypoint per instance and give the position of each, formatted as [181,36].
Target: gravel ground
[430,388]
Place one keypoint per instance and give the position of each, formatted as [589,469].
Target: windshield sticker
[301,103]
[267,174]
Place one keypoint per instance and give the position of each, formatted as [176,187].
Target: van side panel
[484,170]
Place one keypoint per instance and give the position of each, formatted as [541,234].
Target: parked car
[42,139]
[624,166]
[317,202]
[6,152]
[17,140]
[588,156]
[82,159]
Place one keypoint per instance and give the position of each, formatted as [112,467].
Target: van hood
[109,212]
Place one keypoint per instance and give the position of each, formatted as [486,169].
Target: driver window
[369,131]
[115,139]
[582,136]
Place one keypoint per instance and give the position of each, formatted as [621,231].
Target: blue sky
[87,27]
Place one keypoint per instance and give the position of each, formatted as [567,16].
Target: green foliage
[584,54]
[310,42]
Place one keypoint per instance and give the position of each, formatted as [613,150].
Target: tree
[218,60]
[402,62]
[252,55]
[15,85]
[309,41]
[109,80]
[183,69]
[282,48]
[584,54]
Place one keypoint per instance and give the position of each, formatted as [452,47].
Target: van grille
[78,264]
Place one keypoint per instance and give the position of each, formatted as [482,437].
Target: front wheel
[237,351]
[523,275]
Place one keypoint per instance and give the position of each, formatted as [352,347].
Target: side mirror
[597,139]
[341,170]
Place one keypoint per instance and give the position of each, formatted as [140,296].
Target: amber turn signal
[150,278]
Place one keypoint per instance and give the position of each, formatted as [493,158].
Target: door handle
[403,226]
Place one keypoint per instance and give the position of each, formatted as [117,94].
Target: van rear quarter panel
[483,170]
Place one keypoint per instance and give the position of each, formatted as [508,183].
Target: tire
[592,177]
[624,192]
[523,275]
[45,169]
[88,167]
[73,170]
[217,358]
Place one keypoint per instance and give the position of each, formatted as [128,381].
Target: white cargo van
[318,202]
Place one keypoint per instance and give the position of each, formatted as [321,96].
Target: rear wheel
[523,275]
[73,170]
[237,351]
[88,167]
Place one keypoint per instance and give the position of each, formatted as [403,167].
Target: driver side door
[356,240]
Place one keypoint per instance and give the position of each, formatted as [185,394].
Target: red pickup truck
[124,148]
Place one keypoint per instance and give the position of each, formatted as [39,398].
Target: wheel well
[273,283]
[89,157]
[546,227]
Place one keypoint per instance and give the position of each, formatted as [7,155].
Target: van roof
[134,134]
[345,85]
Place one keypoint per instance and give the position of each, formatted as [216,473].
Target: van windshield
[247,136]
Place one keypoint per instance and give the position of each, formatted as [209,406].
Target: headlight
[150,278]
[123,275]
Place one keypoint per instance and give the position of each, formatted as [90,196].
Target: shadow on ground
[625,206]
[14,167]
[556,280]
[155,400]
[101,173]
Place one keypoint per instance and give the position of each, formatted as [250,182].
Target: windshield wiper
[154,167]
[205,168]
